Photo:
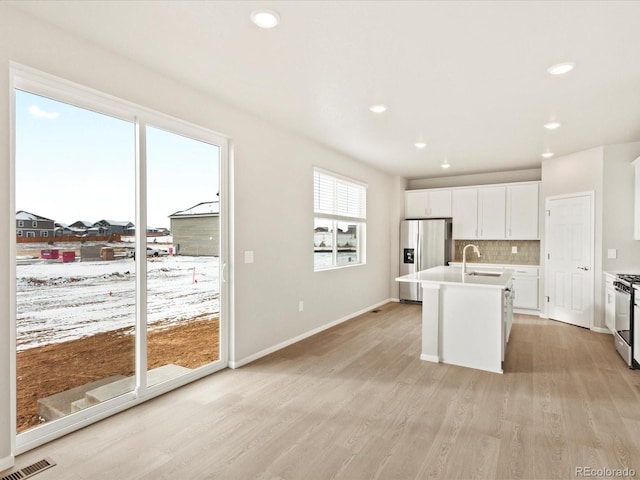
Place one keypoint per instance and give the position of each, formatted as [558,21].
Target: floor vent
[30,471]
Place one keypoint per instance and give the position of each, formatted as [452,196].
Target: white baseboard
[7,462]
[291,341]
[429,358]
[525,311]
[601,330]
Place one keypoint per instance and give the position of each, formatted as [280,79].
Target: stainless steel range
[623,335]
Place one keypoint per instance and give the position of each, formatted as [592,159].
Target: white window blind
[339,197]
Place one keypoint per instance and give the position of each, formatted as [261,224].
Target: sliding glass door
[75,288]
[183,268]
[120,248]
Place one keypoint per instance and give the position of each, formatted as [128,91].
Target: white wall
[578,172]
[618,200]
[273,191]
[397,214]
[529,175]
[607,170]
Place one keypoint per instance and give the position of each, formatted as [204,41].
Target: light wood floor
[355,402]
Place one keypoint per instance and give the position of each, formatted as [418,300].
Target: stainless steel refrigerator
[423,244]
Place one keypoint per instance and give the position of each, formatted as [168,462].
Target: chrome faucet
[464,257]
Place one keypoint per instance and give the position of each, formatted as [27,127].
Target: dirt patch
[44,371]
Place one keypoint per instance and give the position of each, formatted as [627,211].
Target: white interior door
[570,255]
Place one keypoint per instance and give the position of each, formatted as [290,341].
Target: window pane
[323,243]
[75,285]
[347,244]
[183,253]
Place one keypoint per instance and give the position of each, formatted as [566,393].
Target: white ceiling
[469,78]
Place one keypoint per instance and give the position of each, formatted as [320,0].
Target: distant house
[152,231]
[62,229]
[81,225]
[109,227]
[196,231]
[30,225]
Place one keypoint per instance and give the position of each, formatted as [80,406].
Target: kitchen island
[466,319]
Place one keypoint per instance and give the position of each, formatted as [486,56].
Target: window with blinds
[340,217]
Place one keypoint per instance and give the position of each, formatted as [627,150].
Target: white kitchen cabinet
[522,212]
[525,283]
[525,286]
[609,302]
[465,213]
[492,203]
[428,203]
[491,212]
[636,205]
[636,331]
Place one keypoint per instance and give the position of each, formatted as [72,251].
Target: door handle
[583,268]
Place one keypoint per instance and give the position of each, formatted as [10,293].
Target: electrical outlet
[300,306]
[248,256]
[514,249]
[612,253]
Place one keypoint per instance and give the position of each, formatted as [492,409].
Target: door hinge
[548,256]
[547,297]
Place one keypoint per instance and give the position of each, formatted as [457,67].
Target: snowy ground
[57,302]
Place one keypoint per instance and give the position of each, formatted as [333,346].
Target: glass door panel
[75,275]
[183,255]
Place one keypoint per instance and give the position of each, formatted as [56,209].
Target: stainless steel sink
[485,274]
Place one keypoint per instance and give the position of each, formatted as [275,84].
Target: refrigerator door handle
[418,253]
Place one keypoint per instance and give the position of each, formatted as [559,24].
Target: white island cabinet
[525,283]
[466,320]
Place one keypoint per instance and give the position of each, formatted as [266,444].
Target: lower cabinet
[610,302]
[525,284]
[526,291]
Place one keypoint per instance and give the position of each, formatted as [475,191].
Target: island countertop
[453,276]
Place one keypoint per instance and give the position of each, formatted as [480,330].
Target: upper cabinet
[492,212]
[465,213]
[636,213]
[492,202]
[522,212]
[427,203]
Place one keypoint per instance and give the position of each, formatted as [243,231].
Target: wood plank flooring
[356,402]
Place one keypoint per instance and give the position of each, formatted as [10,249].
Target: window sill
[338,267]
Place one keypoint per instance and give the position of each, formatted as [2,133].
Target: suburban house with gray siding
[109,227]
[29,225]
[62,229]
[196,231]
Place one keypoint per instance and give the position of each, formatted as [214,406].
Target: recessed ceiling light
[265,18]
[420,144]
[378,108]
[547,154]
[445,164]
[561,68]
[552,125]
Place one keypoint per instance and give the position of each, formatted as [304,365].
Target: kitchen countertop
[623,271]
[453,276]
[494,265]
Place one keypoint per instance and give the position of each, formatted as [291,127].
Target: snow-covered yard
[57,302]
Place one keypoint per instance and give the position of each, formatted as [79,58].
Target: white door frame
[591,195]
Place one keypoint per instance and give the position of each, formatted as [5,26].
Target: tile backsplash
[499,251]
